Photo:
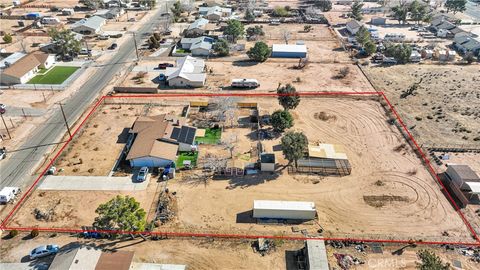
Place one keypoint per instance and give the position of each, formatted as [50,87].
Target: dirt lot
[96,150]
[388,186]
[68,212]
[444,110]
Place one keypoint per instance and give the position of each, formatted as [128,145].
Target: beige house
[26,68]
[189,72]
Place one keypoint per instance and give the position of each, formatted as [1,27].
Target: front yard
[55,75]
[182,156]
[212,136]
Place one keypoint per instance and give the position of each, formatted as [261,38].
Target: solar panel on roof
[175,134]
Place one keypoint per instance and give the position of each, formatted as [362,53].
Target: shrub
[34,233]
[12,233]
[7,38]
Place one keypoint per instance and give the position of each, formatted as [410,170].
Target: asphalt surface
[16,170]
[473,10]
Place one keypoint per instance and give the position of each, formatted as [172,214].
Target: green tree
[363,35]
[121,213]
[7,38]
[234,29]
[176,10]
[249,16]
[323,5]
[294,146]
[260,52]
[456,5]
[430,261]
[281,120]
[418,11]
[400,13]
[288,97]
[255,31]
[357,10]
[401,52]
[221,47]
[65,41]
[280,12]
[93,4]
[370,47]
[307,28]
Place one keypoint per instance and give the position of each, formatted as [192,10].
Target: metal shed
[284,210]
[289,51]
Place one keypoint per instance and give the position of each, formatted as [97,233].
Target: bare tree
[286,35]
[230,143]
[225,110]
[213,163]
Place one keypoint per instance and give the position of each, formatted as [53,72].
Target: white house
[12,58]
[157,139]
[24,69]
[189,72]
[197,28]
[215,13]
[200,46]
[353,26]
[90,26]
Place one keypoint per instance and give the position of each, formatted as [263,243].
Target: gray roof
[354,24]
[94,22]
[198,24]
[464,172]
[76,258]
[317,255]
[202,44]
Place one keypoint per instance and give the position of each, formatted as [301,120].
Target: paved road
[17,169]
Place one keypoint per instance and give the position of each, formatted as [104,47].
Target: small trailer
[245,83]
[7,194]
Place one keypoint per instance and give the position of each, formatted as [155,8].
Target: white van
[245,83]
[50,20]
[7,194]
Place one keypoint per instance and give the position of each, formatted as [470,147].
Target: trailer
[263,209]
[245,83]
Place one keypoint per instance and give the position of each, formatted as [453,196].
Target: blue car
[43,251]
[162,77]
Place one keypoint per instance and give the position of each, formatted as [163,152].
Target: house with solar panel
[155,141]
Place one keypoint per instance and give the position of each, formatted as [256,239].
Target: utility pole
[5,124]
[136,48]
[65,119]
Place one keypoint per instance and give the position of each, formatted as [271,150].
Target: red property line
[237,236]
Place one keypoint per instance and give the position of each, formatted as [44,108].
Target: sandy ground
[96,149]
[446,94]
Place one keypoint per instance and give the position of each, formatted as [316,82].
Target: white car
[43,251]
[142,174]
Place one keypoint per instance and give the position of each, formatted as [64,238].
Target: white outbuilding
[264,209]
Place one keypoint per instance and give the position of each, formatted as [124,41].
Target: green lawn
[187,156]
[212,136]
[180,50]
[55,75]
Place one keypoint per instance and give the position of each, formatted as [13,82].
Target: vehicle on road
[3,108]
[43,251]
[245,83]
[113,46]
[3,153]
[85,51]
[132,20]
[103,37]
[7,194]
[164,65]
[142,174]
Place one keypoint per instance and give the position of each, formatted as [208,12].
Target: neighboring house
[289,51]
[109,14]
[90,26]
[87,258]
[315,255]
[11,59]
[200,46]
[189,72]
[463,182]
[353,26]
[197,28]
[25,68]
[215,13]
[157,139]
[465,43]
